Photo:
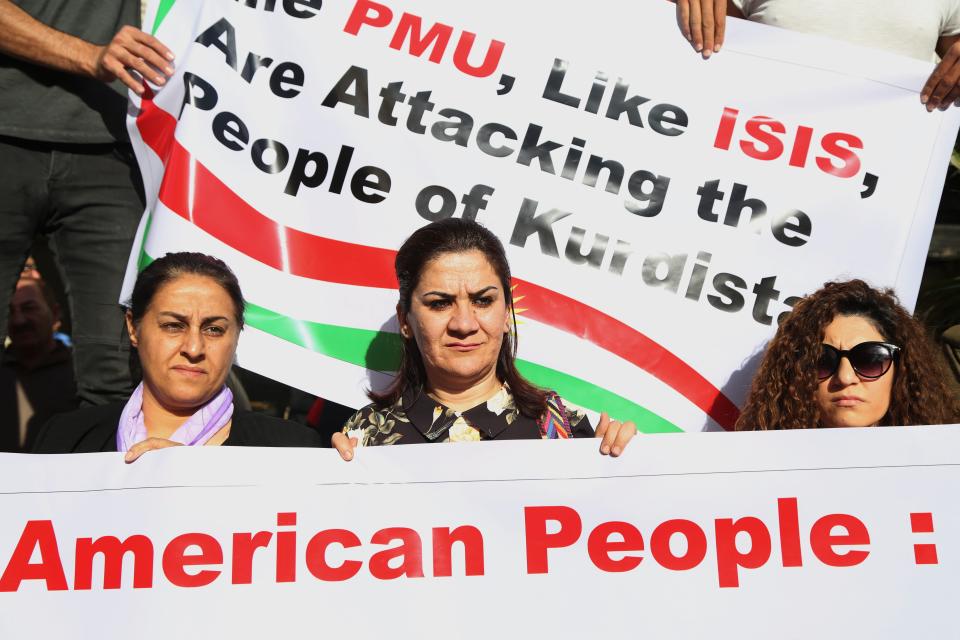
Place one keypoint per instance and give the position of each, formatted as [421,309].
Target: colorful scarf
[198,428]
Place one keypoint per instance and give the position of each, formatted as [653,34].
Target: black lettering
[709,193]
[663,115]
[309,170]
[528,223]
[367,181]
[531,148]
[355,78]
[286,80]
[213,35]
[731,300]
[554,81]
[795,221]
[225,123]
[619,104]
[574,251]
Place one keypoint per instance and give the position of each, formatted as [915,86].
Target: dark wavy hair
[783,393]
[172,266]
[456,235]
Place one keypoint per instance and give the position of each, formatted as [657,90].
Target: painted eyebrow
[443,294]
[185,319]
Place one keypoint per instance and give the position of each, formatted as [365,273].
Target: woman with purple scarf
[184,320]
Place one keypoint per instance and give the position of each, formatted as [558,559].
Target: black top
[418,418]
[44,104]
[94,429]
[48,388]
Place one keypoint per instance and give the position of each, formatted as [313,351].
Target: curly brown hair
[783,392]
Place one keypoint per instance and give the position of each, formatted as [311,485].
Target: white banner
[803,534]
[660,212]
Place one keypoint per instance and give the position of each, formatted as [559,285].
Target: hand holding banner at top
[130,49]
[703,23]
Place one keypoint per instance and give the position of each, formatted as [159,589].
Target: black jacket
[94,429]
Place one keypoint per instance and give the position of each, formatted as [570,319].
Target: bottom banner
[838,533]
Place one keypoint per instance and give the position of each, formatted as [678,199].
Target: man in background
[68,168]
[36,370]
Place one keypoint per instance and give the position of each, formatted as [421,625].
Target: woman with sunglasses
[848,355]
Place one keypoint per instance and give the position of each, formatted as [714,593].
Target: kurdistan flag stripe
[315,257]
[310,256]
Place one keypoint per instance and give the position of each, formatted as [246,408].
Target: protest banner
[846,533]
[660,212]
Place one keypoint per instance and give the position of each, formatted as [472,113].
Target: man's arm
[24,37]
[943,87]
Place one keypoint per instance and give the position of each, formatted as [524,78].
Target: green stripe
[381,351]
[162,11]
[586,394]
[376,350]
[144,259]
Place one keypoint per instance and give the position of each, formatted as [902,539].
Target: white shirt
[907,27]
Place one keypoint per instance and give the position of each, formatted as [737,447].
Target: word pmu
[409,31]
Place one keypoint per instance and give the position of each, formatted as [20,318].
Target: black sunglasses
[870,360]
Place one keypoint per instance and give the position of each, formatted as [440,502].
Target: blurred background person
[36,370]
[849,355]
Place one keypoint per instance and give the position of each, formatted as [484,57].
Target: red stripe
[610,334]
[223,214]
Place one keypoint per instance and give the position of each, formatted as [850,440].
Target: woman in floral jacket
[458,379]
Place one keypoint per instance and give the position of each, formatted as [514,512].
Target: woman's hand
[344,445]
[703,23]
[616,435]
[149,444]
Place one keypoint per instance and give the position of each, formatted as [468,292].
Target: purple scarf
[198,428]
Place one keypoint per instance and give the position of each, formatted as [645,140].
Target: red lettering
[316,555]
[823,540]
[410,551]
[762,129]
[286,548]
[599,546]
[37,534]
[801,147]
[729,558]
[696,545]
[410,27]
[361,15]
[490,60]
[175,559]
[472,541]
[849,161]
[113,553]
[728,121]
[539,541]
[789,520]
[244,544]
[764,139]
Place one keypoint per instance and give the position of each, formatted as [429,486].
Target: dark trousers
[87,199]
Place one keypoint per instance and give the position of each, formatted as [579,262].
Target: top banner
[660,212]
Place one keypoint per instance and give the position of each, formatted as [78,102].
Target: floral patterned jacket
[420,419]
